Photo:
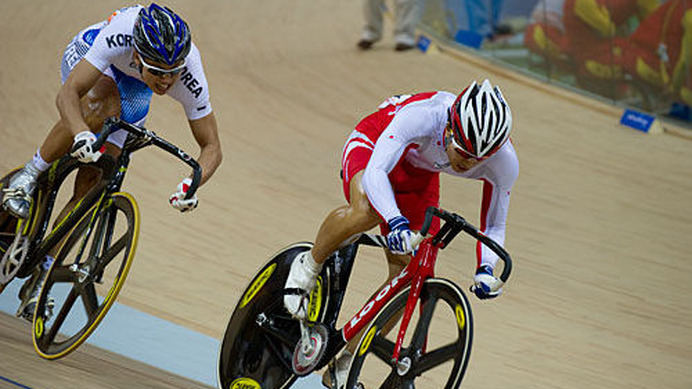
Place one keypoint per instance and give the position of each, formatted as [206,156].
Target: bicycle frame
[44,201]
[113,175]
[421,267]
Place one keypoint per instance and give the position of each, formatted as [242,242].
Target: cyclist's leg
[101,102]
[345,221]
[59,139]
[341,224]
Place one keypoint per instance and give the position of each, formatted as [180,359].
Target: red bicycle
[265,347]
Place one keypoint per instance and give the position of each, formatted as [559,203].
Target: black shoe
[403,47]
[364,44]
[503,29]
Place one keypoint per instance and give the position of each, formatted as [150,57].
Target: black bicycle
[264,347]
[95,243]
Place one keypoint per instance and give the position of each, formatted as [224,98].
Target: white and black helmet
[480,120]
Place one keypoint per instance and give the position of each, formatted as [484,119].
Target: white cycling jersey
[417,130]
[111,46]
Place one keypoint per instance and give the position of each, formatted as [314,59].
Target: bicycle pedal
[50,304]
[308,352]
[23,311]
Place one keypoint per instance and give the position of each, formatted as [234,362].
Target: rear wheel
[436,348]
[86,277]
[258,345]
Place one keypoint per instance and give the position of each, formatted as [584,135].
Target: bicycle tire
[112,241]
[422,356]
[256,356]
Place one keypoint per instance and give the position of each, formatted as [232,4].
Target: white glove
[82,148]
[485,284]
[177,199]
[399,238]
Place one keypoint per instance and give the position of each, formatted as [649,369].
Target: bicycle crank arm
[310,348]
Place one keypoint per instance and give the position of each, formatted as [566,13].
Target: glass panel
[632,52]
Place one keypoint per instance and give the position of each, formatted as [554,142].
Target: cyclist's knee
[101,102]
[365,216]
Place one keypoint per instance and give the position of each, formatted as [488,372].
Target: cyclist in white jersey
[112,68]
[390,170]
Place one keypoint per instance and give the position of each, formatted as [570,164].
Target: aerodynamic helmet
[480,120]
[160,35]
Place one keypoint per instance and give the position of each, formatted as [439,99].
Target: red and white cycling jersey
[411,129]
[113,46]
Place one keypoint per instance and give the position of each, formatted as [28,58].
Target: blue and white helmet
[160,35]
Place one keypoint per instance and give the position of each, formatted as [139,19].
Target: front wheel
[436,348]
[86,276]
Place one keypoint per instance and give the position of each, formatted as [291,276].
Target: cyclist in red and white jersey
[113,68]
[390,169]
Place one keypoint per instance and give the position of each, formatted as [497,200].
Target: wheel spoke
[112,251]
[89,298]
[407,384]
[382,348]
[59,319]
[436,357]
[394,381]
[420,334]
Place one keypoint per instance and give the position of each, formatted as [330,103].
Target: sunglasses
[459,150]
[159,72]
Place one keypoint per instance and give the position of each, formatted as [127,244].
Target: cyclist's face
[159,77]
[459,160]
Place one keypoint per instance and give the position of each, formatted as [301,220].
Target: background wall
[633,53]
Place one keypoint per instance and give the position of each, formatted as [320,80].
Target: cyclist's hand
[82,148]
[486,285]
[178,201]
[399,237]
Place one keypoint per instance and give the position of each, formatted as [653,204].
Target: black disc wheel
[260,339]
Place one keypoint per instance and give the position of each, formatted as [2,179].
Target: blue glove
[485,284]
[399,237]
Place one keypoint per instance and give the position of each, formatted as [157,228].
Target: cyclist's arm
[497,186]
[375,180]
[78,83]
[391,146]
[206,134]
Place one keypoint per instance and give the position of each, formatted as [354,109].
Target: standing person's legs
[479,14]
[374,23]
[407,15]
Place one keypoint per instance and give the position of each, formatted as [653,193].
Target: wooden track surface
[598,226]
